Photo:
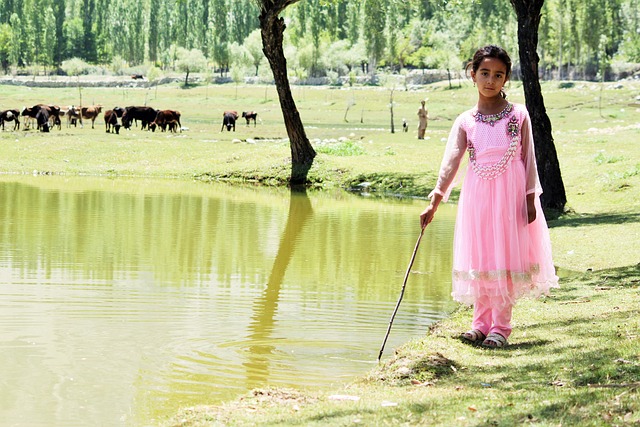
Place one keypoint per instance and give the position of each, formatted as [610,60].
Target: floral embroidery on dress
[492,119]
[513,130]
[515,276]
[512,127]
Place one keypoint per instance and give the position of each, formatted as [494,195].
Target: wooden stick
[404,284]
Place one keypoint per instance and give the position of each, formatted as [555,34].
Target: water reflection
[121,301]
[262,321]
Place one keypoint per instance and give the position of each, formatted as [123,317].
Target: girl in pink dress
[502,249]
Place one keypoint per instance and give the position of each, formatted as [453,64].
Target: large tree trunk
[272,28]
[528,13]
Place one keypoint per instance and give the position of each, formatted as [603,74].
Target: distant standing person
[422,120]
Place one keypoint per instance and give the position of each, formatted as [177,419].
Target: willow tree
[272,29]
[528,13]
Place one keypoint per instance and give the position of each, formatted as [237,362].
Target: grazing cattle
[167,118]
[137,76]
[52,114]
[111,121]
[119,111]
[56,122]
[229,120]
[146,115]
[250,115]
[73,116]
[10,116]
[90,113]
[29,114]
[42,120]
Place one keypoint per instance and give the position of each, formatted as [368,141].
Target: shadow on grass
[334,414]
[621,276]
[579,220]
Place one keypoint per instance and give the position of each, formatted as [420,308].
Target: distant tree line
[324,38]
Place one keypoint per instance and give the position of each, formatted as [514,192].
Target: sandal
[473,336]
[495,340]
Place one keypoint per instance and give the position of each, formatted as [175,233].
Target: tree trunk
[272,28]
[528,13]
[393,129]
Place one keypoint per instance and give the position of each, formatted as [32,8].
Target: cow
[119,111]
[146,115]
[42,119]
[111,121]
[229,120]
[73,116]
[250,115]
[29,114]
[10,116]
[405,125]
[90,113]
[166,118]
[52,114]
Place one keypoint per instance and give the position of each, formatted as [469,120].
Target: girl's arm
[454,152]
[534,188]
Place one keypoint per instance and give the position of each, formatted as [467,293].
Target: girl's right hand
[427,215]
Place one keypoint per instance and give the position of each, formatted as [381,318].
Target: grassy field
[575,357]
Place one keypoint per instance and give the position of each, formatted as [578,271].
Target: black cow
[10,116]
[229,120]
[250,115]
[29,114]
[111,121]
[42,119]
[52,114]
[146,115]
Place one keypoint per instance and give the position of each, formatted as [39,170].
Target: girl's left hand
[531,208]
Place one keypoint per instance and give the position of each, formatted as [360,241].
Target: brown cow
[73,116]
[111,121]
[166,118]
[90,113]
[250,115]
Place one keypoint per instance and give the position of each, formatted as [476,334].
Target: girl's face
[490,77]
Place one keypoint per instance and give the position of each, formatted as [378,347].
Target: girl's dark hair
[490,51]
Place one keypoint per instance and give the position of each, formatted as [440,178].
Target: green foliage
[602,159]
[343,149]
[576,37]
[75,67]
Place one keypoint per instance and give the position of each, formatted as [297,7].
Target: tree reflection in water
[265,308]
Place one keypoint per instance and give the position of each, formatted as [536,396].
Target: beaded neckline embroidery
[492,171]
[491,119]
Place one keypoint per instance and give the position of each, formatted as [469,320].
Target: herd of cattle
[46,117]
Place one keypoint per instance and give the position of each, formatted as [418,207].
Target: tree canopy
[331,36]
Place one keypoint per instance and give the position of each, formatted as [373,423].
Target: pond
[123,300]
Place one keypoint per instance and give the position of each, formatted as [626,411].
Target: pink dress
[497,254]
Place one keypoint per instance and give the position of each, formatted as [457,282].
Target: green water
[123,300]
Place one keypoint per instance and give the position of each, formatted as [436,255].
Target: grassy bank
[574,360]
[575,356]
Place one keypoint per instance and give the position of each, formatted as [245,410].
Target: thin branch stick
[404,284]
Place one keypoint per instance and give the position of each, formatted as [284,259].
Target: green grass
[574,360]
[575,356]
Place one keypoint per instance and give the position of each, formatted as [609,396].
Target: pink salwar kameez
[498,256]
